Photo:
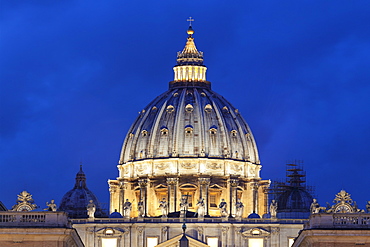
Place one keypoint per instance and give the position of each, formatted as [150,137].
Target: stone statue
[127,209]
[140,207]
[273,208]
[239,208]
[91,208]
[201,208]
[223,208]
[315,207]
[368,207]
[184,204]
[163,206]
[51,206]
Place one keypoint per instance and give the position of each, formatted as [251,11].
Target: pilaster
[204,191]
[172,185]
[233,184]
[143,184]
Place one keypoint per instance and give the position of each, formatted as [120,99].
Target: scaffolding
[295,180]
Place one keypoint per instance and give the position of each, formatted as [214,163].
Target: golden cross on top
[190,20]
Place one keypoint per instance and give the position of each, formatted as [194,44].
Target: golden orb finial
[190,30]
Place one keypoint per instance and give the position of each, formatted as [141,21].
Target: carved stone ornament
[237,168]
[200,230]
[140,167]
[255,232]
[140,229]
[343,196]
[143,182]
[204,181]
[238,230]
[162,166]
[172,181]
[234,182]
[225,229]
[126,230]
[188,165]
[164,230]
[275,230]
[214,166]
[343,204]
[125,170]
[24,202]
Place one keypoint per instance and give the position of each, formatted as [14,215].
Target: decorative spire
[190,55]
[190,66]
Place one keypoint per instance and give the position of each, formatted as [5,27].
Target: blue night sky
[74,74]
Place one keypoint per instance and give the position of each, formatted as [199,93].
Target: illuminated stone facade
[30,229]
[341,224]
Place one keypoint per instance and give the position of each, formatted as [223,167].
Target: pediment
[215,186]
[174,242]
[111,231]
[161,186]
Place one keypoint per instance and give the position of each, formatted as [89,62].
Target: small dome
[115,214]
[295,199]
[254,216]
[75,201]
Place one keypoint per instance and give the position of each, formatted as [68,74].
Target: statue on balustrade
[201,208]
[127,206]
[273,209]
[51,206]
[315,207]
[223,208]
[164,208]
[239,209]
[91,208]
[184,204]
[140,208]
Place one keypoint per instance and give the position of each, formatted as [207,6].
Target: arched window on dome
[188,130]
[213,130]
[189,108]
[208,108]
[170,109]
[144,133]
[164,131]
[233,133]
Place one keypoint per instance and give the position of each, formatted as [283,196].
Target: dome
[190,121]
[75,201]
[296,199]
[115,214]
[253,216]
[189,142]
